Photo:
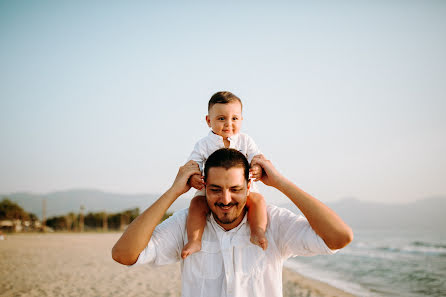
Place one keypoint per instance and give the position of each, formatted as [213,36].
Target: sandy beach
[73,264]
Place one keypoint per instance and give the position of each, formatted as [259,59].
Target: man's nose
[226,198]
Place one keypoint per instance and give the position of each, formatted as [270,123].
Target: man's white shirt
[228,263]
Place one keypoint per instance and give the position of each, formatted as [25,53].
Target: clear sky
[347,98]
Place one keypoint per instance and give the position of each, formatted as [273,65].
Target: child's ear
[208,121]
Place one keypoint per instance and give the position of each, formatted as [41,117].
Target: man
[228,263]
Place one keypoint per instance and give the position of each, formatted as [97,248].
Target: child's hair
[223,97]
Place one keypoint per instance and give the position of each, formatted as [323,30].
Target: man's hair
[223,97]
[227,158]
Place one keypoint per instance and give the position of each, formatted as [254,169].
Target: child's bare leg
[196,221]
[257,218]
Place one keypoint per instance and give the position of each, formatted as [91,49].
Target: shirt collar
[220,229]
[216,137]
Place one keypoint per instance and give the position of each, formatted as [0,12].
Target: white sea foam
[328,278]
[382,263]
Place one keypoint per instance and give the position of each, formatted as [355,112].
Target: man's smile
[225,206]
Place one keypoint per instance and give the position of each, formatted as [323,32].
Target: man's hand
[196,181]
[137,235]
[325,222]
[269,176]
[181,185]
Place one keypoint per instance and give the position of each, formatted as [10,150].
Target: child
[225,119]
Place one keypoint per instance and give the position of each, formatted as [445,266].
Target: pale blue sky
[346,97]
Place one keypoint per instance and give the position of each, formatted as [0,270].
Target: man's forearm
[138,233]
[325,222]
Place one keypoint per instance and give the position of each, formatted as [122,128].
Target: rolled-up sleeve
[166,243]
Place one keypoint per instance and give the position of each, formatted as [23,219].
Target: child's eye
[235,119]
[221,119]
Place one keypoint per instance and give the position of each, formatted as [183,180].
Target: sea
[383,263]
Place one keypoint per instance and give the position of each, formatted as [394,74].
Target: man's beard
[226,219]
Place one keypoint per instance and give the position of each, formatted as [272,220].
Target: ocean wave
[427,244]
[386,265]
[415,247]
[425,250]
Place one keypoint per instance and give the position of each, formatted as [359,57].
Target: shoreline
[295,283]
[67,264]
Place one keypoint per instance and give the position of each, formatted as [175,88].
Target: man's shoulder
[179,216]
[274,208]
[276,212]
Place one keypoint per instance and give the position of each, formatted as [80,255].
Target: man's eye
[215,190]
[236,190]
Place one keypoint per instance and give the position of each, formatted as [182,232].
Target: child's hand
[256,172]
[196,181]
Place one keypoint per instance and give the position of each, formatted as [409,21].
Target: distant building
[19,225]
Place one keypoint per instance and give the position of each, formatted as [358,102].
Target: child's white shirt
[212,142]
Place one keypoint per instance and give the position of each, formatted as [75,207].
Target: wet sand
[73,264]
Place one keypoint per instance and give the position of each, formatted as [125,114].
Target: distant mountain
[423,214]
[63,202]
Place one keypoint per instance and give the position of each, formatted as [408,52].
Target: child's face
[225,119]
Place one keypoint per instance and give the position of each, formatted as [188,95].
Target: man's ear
[208,121]
[248,187]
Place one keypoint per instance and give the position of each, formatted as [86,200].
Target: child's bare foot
[190,248]
[258,238]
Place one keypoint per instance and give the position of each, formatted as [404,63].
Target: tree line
[95,221]
[92,221]
[12,211]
